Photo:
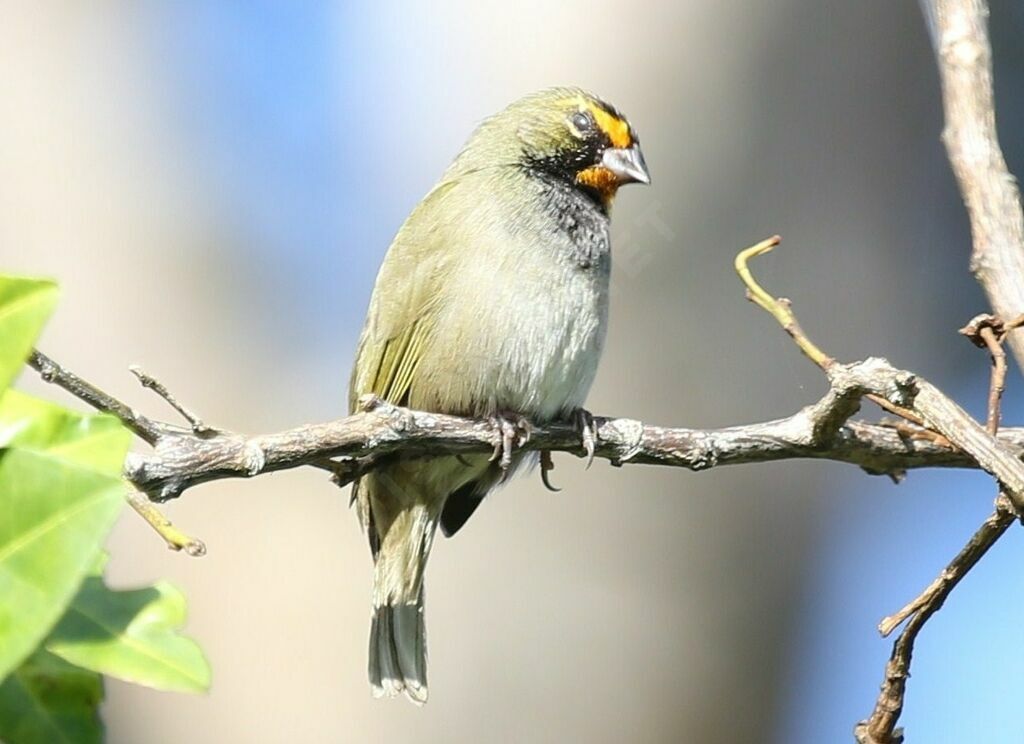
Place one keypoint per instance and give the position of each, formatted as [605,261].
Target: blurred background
[214,186]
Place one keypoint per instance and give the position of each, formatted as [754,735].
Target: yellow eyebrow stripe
[616,129]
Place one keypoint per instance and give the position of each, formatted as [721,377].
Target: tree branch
[959,34]
[986,332]
[880,727]
[358,443]
[147,430]
[354,445]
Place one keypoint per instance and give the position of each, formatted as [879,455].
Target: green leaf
[25,304]
[131,635]
[98,441]
[60,492]
[48,701]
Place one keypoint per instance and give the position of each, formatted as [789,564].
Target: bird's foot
[584,422]
[369,402]
[511,430]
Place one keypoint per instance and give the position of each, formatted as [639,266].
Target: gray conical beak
[627,163]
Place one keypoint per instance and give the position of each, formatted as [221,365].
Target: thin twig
[175,538]
[150,382]
[997,383]
[781,309]
[146,429]
[880,728]
[908,430]
[989,332]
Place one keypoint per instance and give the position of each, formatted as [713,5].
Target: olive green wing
[407,297]
[399,328]
[385,367]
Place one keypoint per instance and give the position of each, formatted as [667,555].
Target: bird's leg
[584,422]
[513,430]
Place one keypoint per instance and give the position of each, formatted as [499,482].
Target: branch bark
[182,459]
[987,332]
[959,34]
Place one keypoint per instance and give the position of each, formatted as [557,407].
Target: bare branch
[986,332]
[150,382]
[782,310]
[147,430]
[959,34]
[354,445]
[880,728]
[175,538]
[960,37]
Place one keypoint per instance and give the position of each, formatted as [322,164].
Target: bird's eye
[582,122]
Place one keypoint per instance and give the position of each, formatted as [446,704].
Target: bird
[491,302]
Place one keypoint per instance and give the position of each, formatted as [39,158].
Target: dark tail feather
[398,651]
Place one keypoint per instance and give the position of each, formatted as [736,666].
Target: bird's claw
[546,466]
[512,430]
[588,433]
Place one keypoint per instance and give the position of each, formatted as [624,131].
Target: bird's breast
[529,333]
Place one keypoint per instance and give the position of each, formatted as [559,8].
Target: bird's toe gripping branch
[511,430]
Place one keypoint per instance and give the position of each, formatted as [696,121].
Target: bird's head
[562,133]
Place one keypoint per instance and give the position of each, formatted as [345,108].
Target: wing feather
[405,304]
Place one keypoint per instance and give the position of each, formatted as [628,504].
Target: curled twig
[781,309]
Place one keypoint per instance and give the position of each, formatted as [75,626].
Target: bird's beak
[626,164]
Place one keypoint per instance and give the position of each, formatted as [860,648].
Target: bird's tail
[398,635]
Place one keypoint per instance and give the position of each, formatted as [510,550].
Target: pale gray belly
[527,338]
